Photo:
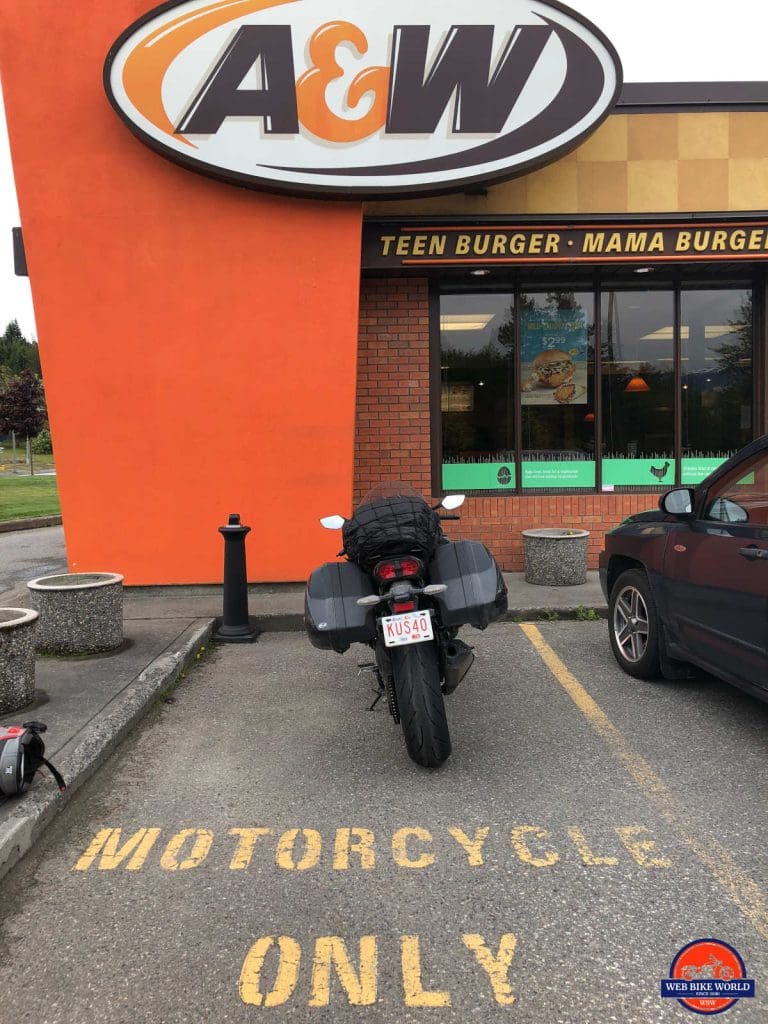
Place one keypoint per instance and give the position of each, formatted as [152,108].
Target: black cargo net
[389,526]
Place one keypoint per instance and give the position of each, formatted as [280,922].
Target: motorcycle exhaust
[458,661]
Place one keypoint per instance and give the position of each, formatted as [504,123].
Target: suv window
[742,495]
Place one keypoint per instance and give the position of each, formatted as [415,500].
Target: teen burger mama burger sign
[373,99]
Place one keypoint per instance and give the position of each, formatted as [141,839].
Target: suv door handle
[753,552]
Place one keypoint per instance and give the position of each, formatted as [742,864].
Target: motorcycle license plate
[408,628]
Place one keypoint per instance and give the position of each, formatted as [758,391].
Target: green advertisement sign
[639,472]
[656,472]
[500,476]
[694,470]
[478,476]
[559,474]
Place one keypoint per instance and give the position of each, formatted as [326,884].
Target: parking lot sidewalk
[91,703]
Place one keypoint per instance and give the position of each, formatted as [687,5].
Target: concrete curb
[94,745]
[29,524]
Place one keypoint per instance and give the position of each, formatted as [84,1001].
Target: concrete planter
[80,612]
[17,658]
[555,557]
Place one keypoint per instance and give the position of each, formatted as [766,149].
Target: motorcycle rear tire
[416,675]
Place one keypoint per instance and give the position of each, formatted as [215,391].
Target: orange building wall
[198,341]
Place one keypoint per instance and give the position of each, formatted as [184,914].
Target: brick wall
[393,431]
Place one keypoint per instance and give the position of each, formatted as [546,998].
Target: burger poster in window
[553,354]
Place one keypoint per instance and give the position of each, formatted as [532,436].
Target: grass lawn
[24,497]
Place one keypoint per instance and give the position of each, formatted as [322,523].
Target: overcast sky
[658,41]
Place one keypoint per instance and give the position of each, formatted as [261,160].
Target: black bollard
[235,626]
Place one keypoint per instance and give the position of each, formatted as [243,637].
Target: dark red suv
[688,584]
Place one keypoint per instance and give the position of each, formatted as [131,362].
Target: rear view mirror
[678,502]
[333,522]
[452,501]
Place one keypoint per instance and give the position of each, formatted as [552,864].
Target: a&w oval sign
[339,97]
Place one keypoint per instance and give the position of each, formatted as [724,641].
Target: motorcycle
[714,968]
[405,590]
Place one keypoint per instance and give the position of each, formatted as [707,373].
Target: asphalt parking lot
[279,857]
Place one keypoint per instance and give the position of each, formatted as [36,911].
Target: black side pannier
[476,594]
[391,526]
[332,616]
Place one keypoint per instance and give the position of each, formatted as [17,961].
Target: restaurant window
[716,356]
[638,364]
[477,343]
[557,332]
[520,373]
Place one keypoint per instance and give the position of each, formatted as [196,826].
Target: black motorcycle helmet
[21,753]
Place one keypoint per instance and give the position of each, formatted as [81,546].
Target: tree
[22,406]
[16,353]
[734,357]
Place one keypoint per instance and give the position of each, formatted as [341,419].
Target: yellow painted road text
[349,971]
[409,848]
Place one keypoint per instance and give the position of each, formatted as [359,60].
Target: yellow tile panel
[602,187]
[748,134]
[651,186]
[508,195]
[698,162]
[554,189]
[653,136]
[748,184]
[568,157]
[703,136]
[702,185]
[609,142]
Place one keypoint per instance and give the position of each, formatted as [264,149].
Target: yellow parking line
[745,892]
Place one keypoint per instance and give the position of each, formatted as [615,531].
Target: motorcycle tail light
[403,606]
[398,569]
[410,567]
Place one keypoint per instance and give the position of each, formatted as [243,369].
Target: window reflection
[716,357]
[742,495]
[638,388]
[477,350]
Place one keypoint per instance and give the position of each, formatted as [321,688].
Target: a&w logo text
[365,100]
